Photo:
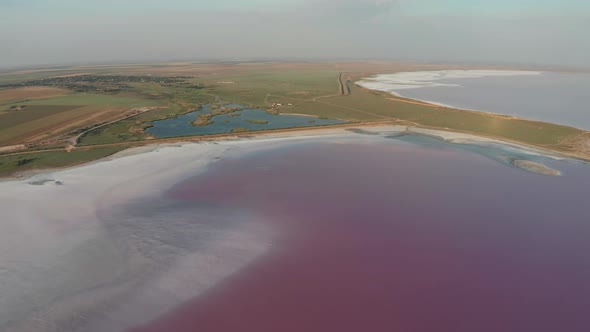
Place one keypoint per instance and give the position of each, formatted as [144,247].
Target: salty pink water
[389,237]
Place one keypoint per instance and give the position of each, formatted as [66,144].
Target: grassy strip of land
[207,119]
[9,165]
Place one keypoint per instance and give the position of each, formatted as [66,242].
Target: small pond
[249,119]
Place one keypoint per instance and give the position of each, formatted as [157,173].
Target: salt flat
[554,97]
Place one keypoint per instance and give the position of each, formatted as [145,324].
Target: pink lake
[385,236]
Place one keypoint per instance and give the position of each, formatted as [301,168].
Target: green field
[119,132]
[251,87]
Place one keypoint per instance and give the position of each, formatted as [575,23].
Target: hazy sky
[37,32]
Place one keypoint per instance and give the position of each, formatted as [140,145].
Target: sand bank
[535,167]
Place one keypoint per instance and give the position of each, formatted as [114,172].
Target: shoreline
[294,133]
[303,134]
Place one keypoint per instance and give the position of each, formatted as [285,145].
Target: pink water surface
[392,237]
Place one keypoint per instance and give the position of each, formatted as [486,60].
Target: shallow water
[378,235]
[551,97]
[225,123]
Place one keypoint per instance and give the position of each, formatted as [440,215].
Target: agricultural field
[9,96]
[34,120]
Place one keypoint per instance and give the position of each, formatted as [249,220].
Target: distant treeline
[103,83]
